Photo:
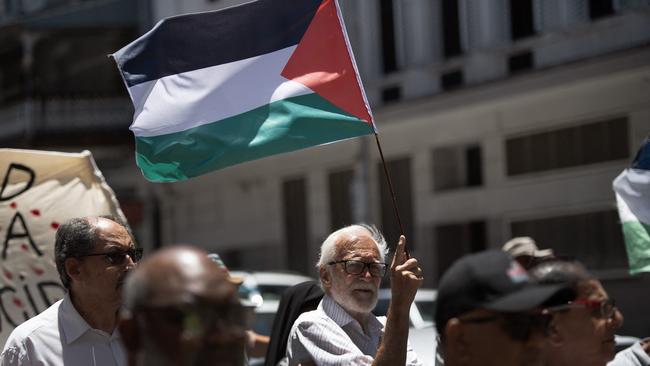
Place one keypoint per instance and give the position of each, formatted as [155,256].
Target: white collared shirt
[634,355]
[60,336]
[330,336]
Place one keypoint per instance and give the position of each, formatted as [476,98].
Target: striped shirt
[330,336]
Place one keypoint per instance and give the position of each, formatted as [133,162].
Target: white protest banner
[40,190]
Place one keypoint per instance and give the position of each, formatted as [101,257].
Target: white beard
[351,305]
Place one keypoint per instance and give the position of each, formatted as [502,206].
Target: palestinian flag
[632,189]
[219,88]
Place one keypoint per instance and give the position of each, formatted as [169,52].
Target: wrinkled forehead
[109,231]
[357,243]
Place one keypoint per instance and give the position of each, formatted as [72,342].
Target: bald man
[180,309]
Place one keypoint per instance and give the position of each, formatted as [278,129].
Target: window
[457,167]
[455,240]
[600,8]
[520,62]
[594,238]
[522,19]
[568,147]
[340,186]
[389,54]
[452,80]
[391,94]
[294,196]
[400,173]
[450,28]
[12,77]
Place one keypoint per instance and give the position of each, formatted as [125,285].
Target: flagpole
[392,191]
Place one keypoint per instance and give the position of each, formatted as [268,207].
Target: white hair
[329,246]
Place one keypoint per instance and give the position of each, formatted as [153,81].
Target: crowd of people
[180,306]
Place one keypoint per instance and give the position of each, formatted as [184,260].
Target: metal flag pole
[392,191]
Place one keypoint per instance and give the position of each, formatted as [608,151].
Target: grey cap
[525,245]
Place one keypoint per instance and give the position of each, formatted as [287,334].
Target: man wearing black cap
[488,312]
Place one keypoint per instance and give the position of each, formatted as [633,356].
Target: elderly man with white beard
[343,331]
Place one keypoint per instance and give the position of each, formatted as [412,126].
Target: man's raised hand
[406,276]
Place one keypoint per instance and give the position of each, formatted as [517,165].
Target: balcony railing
[64,114]
[68,13]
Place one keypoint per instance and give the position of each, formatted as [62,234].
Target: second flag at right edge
[632,189]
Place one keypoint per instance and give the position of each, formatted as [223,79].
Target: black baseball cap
[488,280]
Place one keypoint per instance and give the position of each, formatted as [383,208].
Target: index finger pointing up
[400,253]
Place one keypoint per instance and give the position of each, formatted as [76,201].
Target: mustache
[368,287]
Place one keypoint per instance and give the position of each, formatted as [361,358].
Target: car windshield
[271,292]
[263,323]
[426,309]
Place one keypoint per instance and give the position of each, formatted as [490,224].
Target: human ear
[72,267]
[325,277]
[457,344]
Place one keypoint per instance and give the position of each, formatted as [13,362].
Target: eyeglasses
[118,257]
[604,309]
[355,267]
[519,326]
[200,319]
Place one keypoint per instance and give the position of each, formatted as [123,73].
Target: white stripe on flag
[179,102]
[633,187]
[623,210]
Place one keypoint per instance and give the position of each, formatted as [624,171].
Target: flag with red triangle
[215,89]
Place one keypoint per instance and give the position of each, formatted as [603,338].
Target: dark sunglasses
[118,257]
[200,319]
[519,326]
[355,267]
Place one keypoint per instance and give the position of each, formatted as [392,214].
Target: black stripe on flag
[195,41]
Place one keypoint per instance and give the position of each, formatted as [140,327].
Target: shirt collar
[342,318]
[70,321]
[73,324]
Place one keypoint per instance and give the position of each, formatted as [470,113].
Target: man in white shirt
[93,256]
[342,330]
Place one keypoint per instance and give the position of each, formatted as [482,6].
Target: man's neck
[361,318]
[97,314]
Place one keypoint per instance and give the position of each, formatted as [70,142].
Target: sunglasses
[604,309]
[200,319]
[519,326]
[118,257]
[355,267]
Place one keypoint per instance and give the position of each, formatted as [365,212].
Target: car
[623,342]
[422,309]
[422,334]
[261,291]
[424,343]
[259,287]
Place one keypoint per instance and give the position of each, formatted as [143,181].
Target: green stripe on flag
[281,126]
[637,241]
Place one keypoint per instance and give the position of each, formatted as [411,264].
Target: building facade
[59,90]
[497,118]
